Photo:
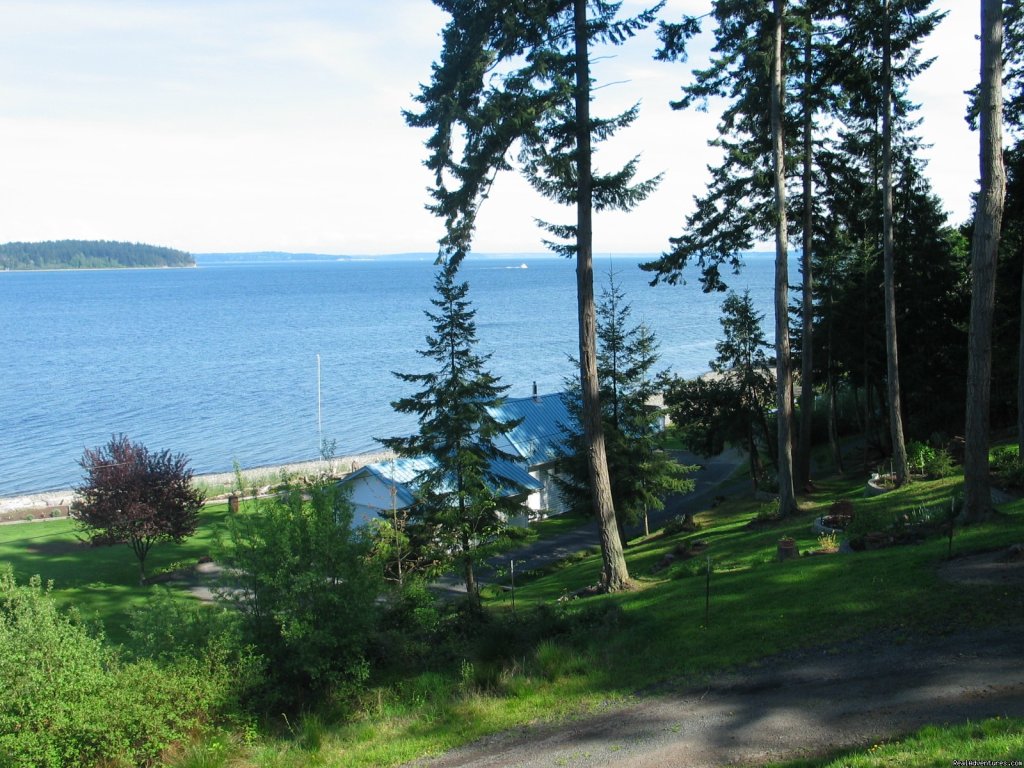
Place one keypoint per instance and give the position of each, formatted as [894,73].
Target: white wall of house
[548,499]
[370,497]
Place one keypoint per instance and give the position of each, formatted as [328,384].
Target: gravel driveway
[787,707]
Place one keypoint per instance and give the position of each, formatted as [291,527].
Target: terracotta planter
[787,549]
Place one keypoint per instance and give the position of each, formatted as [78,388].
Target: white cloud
[269,124]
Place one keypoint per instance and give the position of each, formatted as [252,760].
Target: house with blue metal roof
[538,440]
[385,487]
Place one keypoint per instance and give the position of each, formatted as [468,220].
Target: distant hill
[261,257]
[89,254]
[278,257]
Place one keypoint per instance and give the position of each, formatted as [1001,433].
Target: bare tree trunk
[1020,374]
[833,425]
[783,365]
[755,460]
[833,419]
[984,249]
[472,591]
[803,471]
[614,575]
[899,449]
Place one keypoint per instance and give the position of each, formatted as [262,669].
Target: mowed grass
[759,607]
[655,634]
[100,582]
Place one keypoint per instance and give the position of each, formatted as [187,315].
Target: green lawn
[556,525]
[101,582]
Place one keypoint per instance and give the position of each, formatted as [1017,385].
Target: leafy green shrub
[503,638]
[306,588]
[1007,466]
[680,524]
[940,465]
[919,455]
[409,630]
[173,631]
[689,568]
[69,699]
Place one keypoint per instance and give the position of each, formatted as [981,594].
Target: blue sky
[232,125]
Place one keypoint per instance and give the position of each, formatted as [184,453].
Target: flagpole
[319,419]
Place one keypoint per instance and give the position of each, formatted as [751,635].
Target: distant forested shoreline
[89,254]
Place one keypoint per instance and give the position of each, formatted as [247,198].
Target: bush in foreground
[306,588]
[72,700]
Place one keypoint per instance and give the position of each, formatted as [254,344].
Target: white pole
[319,420]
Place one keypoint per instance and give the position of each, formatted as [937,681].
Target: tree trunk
[755,461]
[614,574]
[803,471]
[1020,374]
[833,426]
[984,249]
[141,548]
[899,449]
[783,365]
[833,420]
[472,592]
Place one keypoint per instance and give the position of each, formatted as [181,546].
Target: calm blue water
[219,362]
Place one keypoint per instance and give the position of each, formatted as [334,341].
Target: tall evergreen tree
[984,251]
[747,198]
[899,448]
[642,473]
[783,363]
[931,289]
[518,73]
[802,469]
[463,500]
[879,45]
[733,405]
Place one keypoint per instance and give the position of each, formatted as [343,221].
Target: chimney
[536,397]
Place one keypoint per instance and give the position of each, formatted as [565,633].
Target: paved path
[794,706]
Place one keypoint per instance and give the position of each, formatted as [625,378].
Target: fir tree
[731,406]
[984,251]
[747,198]
[642,473]
[518,74]
[464,499]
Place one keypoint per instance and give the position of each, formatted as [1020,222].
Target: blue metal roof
[404,473]
[539,438]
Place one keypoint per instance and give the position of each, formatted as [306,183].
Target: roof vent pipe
[536,397]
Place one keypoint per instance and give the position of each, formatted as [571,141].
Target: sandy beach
[18,507]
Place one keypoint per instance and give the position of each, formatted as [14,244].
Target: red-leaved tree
[131,496]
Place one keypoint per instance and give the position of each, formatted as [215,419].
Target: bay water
[220,362]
